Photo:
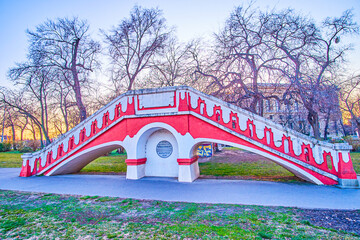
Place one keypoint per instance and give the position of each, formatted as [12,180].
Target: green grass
[10,160]
[49,216]
[232,148]
[355,157]
[255,169]
[113,163]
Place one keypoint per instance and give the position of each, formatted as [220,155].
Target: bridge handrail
[337,146]
[80,125]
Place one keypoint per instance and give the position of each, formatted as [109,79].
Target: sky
[191,19]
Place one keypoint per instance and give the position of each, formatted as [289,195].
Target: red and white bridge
[161,129]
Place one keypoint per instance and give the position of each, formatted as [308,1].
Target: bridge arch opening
[300,173]
[80,160]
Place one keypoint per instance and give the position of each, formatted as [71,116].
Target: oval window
[164,149]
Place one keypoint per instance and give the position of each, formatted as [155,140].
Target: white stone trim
[134,172]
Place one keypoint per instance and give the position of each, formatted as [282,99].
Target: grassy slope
[355,157]
[10,159]
[116,163]
[112,163]
[247,170]
[49,216]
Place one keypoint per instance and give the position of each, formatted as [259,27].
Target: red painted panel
[183,103]
[346,170]
[25,170]
[187,161]
[135,162]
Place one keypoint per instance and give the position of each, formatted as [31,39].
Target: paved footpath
[301,195]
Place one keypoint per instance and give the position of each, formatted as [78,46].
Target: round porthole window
[164,149]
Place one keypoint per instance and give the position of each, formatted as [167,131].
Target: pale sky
[191,18]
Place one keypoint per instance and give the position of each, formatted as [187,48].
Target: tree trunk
[13,135]
[66,118]
[34,135]
[78,97]
[41,138]
[358,127]
[22,129]
[3,126]
[47,138]
[76,85]
[343,127]
[313,119]
[21,134]
[327,124]
[131,81]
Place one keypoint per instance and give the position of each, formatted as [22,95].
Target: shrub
[27,146]
[336,140]
[355,143]
[34,145]
[26,150]
[19,145]
[5,146]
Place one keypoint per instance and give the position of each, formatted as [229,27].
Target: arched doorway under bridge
[233,162]
[300,173]
[80,160]
[161,152]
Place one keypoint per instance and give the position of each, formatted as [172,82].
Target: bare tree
[312,54]
[245,69]
[66,46]
[34,129]
[133,43]
[17,102]
[22,124]
[350,97]
[66,103]
[3,120]
[32,100]
[173,67]
[258,53]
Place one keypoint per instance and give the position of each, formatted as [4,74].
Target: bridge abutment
[188,169]
[347,177]
[135,168]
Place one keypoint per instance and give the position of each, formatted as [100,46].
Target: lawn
[10,159]
[355,157]
[246,170]
[113,163]
[49,216]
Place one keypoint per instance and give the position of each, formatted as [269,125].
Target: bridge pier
[347,177]
[188,169]
[135,168]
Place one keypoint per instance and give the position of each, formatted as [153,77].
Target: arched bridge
[161,129]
